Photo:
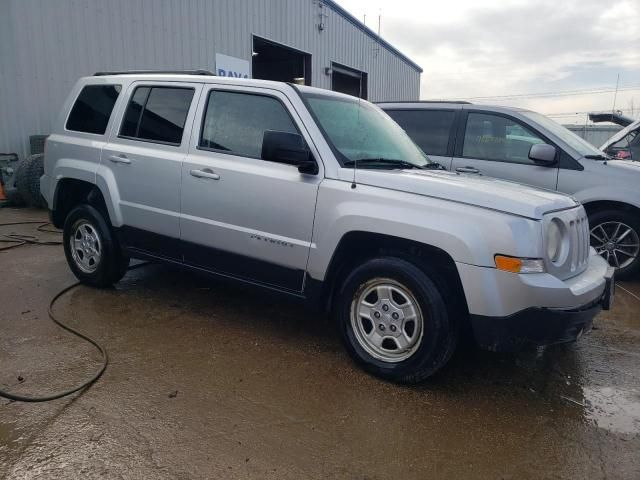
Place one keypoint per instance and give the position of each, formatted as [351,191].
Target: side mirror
[543,154]
[289,148]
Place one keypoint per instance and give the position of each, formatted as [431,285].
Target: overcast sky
[474,48]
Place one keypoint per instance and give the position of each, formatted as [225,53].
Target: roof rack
[427,101]
[161,72]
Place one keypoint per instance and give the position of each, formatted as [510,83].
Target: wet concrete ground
[209,380]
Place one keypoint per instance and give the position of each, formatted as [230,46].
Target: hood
[620,134]
[480,191]
[623,167]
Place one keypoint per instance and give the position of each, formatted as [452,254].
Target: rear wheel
[394,320]
[92,251]
[616,236]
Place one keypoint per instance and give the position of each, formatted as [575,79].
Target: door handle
[119,159]
[205,173]
[467,170]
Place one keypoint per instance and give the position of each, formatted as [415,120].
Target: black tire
[36,170]
[436,344]
[604,219]
[112,264]
[21,179]
[27,179]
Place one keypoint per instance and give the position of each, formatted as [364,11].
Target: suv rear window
[93,107]
[157,114]
[430,129]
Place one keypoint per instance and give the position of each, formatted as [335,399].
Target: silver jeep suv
[323,197]
[529,148]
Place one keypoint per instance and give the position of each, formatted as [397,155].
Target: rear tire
[615,234]
[394,320]
[27,179]
[92,251]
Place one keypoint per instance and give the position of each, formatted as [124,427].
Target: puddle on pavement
[613,409]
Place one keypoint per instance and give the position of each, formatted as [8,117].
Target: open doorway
[348,80]
[272,61]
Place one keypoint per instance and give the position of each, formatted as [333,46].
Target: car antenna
[355,160]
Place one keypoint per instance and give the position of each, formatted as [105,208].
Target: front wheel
[92,252]
[394,321]
[616,236]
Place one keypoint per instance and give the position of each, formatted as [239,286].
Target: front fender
[469,234]
[609,194]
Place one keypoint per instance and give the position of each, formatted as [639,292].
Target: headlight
[555,240]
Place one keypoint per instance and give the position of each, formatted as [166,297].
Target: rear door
[433,130]
[243,216]
[144,156]
[497,145]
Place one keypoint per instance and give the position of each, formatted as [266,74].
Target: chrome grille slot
[573,235]
[579,234]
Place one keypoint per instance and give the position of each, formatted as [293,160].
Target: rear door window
[92,109]
[429,129]
[235,122]
[157,114]
[494,137]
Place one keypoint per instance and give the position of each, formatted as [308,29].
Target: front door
[498,146]
[243,216]
[431,129]
[144,156]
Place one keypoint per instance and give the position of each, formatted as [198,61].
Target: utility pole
[615,95]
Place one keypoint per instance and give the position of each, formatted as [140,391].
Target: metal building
[45,46]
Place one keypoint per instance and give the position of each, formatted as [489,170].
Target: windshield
[567,136]
[358,130]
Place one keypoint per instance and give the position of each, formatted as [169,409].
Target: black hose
[24,239]
[94,377]
[17,240]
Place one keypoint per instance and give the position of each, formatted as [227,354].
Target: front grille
[579,234]
[575,258]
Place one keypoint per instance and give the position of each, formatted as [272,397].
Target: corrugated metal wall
[45,46]
[596,135]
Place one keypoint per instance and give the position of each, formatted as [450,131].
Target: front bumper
[537,326]
[490,292]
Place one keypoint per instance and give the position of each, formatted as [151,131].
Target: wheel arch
[71,192]
[594,206]
[358,246]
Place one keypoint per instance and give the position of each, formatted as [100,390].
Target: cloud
[494,47]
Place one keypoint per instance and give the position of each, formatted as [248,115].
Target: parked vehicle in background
[624,145]
[529,148]
[256,181]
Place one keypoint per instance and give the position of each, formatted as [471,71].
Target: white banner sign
[227,66]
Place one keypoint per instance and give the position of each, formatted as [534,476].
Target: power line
[589,91]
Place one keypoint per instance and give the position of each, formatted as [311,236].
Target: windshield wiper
[365,162]
[433,166]
[598,157]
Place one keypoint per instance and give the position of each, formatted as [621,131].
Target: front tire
[394,320]
[615,234]
[92,252]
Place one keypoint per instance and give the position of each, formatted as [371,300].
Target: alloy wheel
[86,246]
[617,242]
[387,320]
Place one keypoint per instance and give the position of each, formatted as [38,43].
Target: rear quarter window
[92,109]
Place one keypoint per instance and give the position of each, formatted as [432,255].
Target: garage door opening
[272,61]
[348,80]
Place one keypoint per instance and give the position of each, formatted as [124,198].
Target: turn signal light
[519,265]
